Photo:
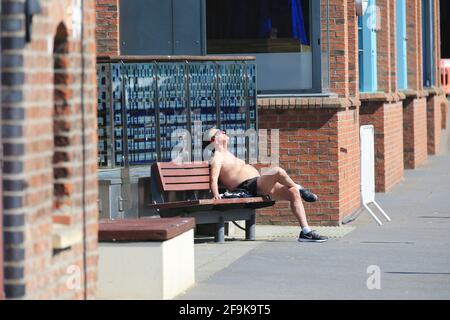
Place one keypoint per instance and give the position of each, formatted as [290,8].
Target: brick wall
[353,68]
[48,171]
[393,132]
[444,106]
[436,98]
[349,162]
[338,45]
[387,119]
[414,108]
[319,148]
[414,44]
[384,48]
[434,123]
[107,32]
[415,132]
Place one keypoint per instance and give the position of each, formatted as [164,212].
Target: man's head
[215,136]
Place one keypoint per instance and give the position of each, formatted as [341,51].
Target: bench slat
[183,180]
[186,186]
[185,172]
[173,165]
[174,176]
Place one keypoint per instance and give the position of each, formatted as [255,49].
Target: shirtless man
[235,174]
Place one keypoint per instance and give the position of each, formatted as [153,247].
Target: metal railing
[143,101]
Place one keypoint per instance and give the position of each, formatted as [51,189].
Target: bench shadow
[433,217]
[387,242]
[201,240]
[417,273]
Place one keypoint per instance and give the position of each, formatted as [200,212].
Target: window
[255,26]
[161,27]
[367,44]
[402,71]
[284,35]
[428,42]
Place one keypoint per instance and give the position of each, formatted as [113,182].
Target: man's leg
[291,194]
[280,192]
[275,175]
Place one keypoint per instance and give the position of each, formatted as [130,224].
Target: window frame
[402,58]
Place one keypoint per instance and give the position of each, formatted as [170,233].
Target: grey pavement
[412,252]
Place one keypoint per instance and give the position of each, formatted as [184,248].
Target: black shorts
[249,186]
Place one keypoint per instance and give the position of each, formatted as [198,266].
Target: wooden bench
[145,258]
[184,190]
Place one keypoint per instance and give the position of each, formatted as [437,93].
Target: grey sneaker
[312,236]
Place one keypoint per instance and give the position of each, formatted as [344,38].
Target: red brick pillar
[352,23]
[107,30]
[414,131]
[385,48]
[436,96]
[339,44]
[434,123]
[415,48]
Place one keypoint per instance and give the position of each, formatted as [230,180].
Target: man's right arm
[216,165]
